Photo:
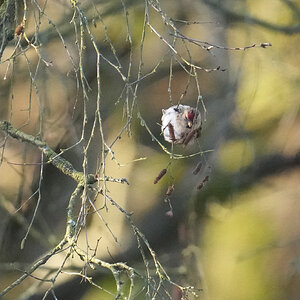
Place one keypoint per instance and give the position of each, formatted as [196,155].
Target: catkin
[197,169]
[160,175]
[171,132]
[170,190]
[189,137]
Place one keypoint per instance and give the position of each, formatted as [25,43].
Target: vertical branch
[37,204]
[7,18]
[72,226]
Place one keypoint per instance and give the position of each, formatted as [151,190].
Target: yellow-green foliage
[237,257]
[235,154]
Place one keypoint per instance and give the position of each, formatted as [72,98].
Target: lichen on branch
[55,159]
[7,22]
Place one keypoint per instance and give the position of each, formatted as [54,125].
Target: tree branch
[67,168]
[39,263]
[232,16]
[268,166]
[55,159]
[7,18]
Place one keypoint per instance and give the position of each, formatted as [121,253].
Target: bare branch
[232,16]
[62,164]
[209,46]
[7,18]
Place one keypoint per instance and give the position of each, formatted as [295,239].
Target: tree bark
[7,18]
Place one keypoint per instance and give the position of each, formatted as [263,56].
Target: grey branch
[55,159]
[7,19]
[232,16]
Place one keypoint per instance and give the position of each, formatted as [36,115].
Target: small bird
[181,124]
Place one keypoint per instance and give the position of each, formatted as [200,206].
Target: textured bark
[7,18]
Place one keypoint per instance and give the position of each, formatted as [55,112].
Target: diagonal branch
[55,159]
[232,16]
[39,263]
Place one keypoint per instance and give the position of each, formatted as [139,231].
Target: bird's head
[190,117]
